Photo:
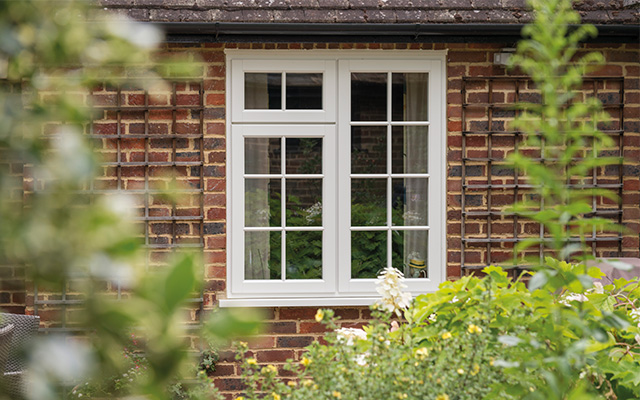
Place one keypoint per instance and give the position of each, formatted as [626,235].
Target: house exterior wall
[289,330]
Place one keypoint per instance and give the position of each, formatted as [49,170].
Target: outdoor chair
[16,332]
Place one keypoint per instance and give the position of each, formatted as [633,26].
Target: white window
[336,169]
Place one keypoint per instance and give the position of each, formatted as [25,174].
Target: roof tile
[381,16]
[320,16]
[350,16]
[360,11]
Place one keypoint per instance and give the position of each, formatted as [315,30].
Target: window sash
[338,66]
[436,187]
[237,229]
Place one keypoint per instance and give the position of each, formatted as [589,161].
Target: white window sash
[260,288]
[336,287]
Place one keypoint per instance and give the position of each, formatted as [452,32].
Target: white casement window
[336,169]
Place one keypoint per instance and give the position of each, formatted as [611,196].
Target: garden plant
[52,54]
[554,332]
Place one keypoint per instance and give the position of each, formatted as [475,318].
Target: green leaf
[538,280]
[180,282]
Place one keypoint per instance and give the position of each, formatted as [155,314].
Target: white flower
[349,336]
[454,300]
[598,288]
[569,297]
[389,286]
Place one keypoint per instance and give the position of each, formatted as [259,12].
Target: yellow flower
[305,361]
[402,395]
[240,398]
[476,369]
[252,361]
[269,369]
[446,335]
[337,395]
[422,352]
[442,396]
[474,329]
[307,382]
[291,383]
[460,371]
[275,396]
[319,315]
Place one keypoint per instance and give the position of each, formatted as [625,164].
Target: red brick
[216,214]
[273,356]
[312,327]
[466,56]
[214,84]
[215,99]
[298,313]
[217,257]
[281,327]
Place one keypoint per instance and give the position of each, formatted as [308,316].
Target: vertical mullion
[389,182]
[283,91]
[283,209]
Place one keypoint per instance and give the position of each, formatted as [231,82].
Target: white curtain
[416,142]
[257,248]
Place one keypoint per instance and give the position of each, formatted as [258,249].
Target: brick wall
[288,330]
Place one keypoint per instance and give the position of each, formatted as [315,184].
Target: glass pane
[410,252]
[368,96]
[368,253]
[262,255]
[262,202]
[368,202]
[304,255]
[409,201]
[368,149]
[409,95]
[304,202]
[410,148]
[262,155]
[304,91]
[262,91]
[304,156]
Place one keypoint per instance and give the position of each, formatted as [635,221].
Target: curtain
[416,140]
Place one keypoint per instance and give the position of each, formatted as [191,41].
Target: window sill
[299,302]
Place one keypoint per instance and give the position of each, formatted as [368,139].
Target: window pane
[368,202]
[304,202]
[368,97]
[262,202]
[409,95]
[409,201]
[368,253]
[368,149]
[304,156]
[304,91]
[262,91]
[262,155]
[262,255]
[410,148]
[304,255]
[410,252]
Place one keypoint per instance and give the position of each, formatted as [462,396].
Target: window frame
[334,118]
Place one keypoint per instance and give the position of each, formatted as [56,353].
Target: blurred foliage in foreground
[52,53]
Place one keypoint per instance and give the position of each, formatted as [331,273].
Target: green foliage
[564,127]
[52,54]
